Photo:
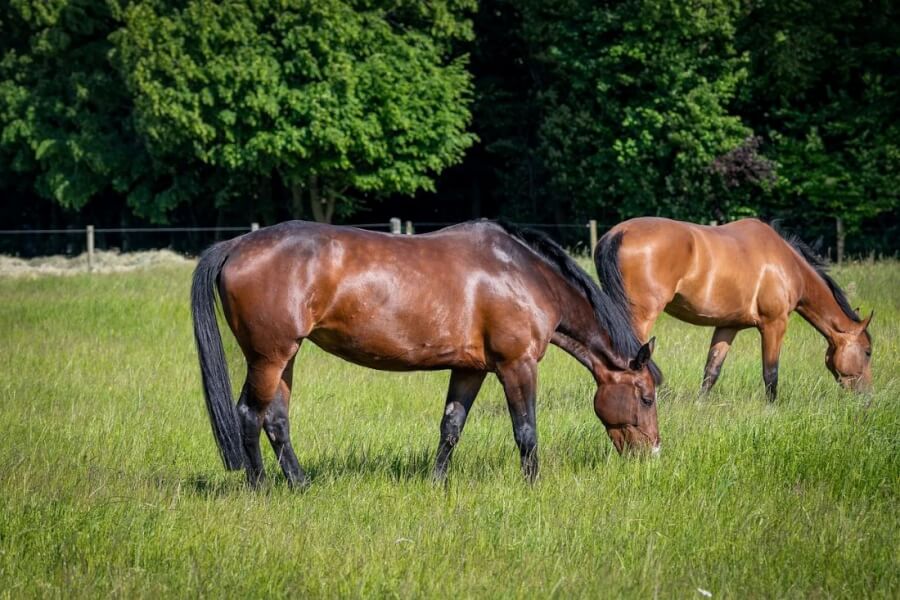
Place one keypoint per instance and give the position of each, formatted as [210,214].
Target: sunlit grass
[110,483]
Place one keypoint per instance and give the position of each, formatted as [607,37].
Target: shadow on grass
[473,462]
[404,465]
[213,487]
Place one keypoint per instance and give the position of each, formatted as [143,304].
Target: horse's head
[626,404]
[848,356]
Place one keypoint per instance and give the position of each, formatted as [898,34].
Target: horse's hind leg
[260,391]
[718,350]
[277,426]
[464,386]
[519,381]
[250,417]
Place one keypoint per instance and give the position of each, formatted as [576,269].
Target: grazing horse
[474,298]
[734,276]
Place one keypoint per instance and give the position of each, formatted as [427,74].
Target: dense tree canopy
[333,97]
[167,102]
[825,89]
[552,110]
[63,110]
[636,101]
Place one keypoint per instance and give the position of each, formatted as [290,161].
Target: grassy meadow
[110,484]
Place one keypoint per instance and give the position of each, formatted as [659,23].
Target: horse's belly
[397,352]
[706,314]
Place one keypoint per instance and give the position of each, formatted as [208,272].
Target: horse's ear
[866,321]
[643,355]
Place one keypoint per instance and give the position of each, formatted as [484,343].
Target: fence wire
[192,240]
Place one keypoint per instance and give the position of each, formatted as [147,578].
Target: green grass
[110,483]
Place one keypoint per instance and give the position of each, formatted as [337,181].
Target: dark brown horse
[733,277]
[475,298]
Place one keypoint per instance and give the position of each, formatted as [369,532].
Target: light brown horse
[732,277]
[475,298]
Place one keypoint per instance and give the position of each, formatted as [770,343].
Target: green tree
[337,98]
[825,86]
[66,124]
[636,102]
[61,104]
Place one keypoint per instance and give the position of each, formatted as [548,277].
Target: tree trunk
[263,202]
[296,201]
[329,201]
[841,237]
[315,201]
[321,201]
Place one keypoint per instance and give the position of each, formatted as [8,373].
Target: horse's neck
[579,333]
[577,318]
[818,305]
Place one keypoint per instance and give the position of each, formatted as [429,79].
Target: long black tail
[606,260]
[213,368]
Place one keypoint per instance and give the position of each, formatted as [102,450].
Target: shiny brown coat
[735,276]
[474,298]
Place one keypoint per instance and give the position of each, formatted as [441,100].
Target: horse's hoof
[300,484]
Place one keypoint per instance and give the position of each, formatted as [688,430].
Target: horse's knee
[770,377]
[526,439]
[276,417]
[248,416]
[452,422]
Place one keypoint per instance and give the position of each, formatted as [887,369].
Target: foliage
[194,110]
[61,105]
[332,95]
[635,109]
[825,86]
[168,102]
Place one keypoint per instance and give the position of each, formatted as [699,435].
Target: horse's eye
[647,400]
[869,353]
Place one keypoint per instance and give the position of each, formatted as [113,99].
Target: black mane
[613,319]
[820,265]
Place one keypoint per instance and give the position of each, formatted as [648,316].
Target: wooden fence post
[254,226]
[395,225]
[593,226]
[409,228]
[90,247]
[841,236]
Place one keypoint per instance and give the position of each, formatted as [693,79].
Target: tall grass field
[110,483]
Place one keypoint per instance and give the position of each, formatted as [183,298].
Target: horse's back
[723,275]
[439,292]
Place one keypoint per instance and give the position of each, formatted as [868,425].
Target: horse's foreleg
[278,429]
[718,350]
[519,381]
[772,336]
[464,387]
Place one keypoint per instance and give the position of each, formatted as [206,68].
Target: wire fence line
[84,230]
[89,236]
